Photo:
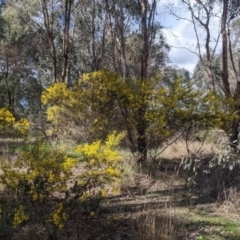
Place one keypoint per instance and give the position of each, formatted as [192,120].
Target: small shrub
[214,175]
[9,125]
[44,183]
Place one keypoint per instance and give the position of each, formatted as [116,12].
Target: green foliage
[98,100]
[91,103]
[50,181]
[15,24]
[214,176]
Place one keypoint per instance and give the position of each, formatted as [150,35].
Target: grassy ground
[162,207]
[168,211]
[154,204]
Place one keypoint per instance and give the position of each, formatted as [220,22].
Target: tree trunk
[48,23]
[144,54]
[125,114]
[141,122]
[141,135]
[225,81]
[125,71]
[234,134]
[235,125]
[117,36]
[67,15]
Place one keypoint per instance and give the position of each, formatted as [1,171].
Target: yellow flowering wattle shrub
[101,164]
[149,111]
[8,124]
[102,102]
[56,94]
[38,172]
[52,181]
[91,104]
[22,126]
[19,216]
[6,118]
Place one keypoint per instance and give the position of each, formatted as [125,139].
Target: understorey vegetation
[102,138]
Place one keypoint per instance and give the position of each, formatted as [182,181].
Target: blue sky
[180,33]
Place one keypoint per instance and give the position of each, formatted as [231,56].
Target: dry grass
[153,225]
[181,149]
[231,203]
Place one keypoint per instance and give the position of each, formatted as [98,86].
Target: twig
[172,142]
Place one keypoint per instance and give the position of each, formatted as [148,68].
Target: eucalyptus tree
[65,38]
[14,65]
[203,12]
[90,36]
[122,36]
[201,78]
[137,47]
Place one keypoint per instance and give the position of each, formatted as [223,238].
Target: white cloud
[180,33]
[183,46]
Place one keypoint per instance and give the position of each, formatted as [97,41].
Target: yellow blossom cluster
[9,124]
[56,94]
[59,216]
[102,163]
[19,216]
[102,102]
[45,173]
[6,117]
